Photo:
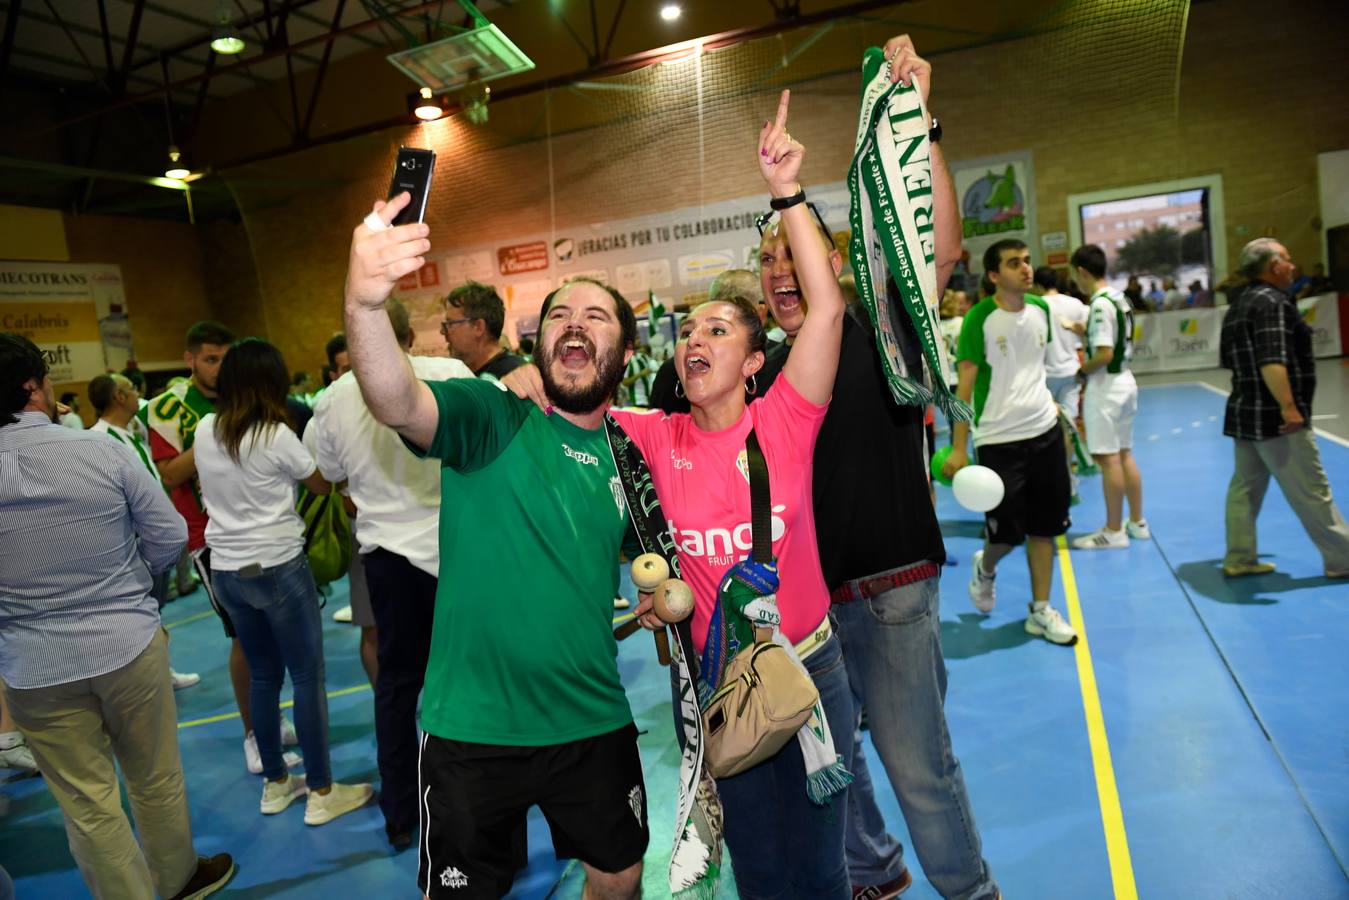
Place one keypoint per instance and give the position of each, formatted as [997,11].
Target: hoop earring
[752,386]
[679,389]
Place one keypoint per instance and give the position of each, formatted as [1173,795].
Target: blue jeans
[892,646]
[781,844]
[276,615]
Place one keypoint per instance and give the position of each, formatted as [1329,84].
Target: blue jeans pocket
[907,604]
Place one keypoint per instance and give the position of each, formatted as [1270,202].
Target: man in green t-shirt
[522,704]
[1001,358]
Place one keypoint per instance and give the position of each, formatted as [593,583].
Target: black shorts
[201,561]
[1037,488]
[474,799]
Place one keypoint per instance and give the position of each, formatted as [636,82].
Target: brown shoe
[1335,573]
[892,888]
[212,874]
[1243,569]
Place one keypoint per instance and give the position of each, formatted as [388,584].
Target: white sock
[1039,605]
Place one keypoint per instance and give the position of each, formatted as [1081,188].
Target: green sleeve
[632,547]
[970,347]
[477,422]
[1049,316]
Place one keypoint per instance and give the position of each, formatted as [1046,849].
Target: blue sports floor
[1195,745]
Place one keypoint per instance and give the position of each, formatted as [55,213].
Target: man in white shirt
[1110,403]
[115,400]
[397,497]
[1003,343]
[71,417]
[1063,356]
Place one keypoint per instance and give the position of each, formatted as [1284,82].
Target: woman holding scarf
[784,819]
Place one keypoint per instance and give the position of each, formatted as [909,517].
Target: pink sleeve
[788,421]
[650,431]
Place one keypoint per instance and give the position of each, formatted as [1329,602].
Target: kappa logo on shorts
[453,878]
[635,801]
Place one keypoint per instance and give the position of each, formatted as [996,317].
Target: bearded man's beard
[580,399]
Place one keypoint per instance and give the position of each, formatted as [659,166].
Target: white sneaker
[981,584]
[621,602]
[320,809]
[277,795]
[18,756]
[342,615]
[183,679]
[1103,539]
[288,736]
[1139,530]
[1048,624]
[253,759]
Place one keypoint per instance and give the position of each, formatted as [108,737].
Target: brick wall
[1261,93]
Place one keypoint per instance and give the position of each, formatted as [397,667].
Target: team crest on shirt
[620,499]
[742,464]
[1002,344]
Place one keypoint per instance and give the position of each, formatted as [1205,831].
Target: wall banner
[1148,346]
[76,313]
[997,200]
[1322,313]
[673,254]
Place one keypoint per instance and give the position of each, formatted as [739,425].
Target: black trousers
[403,599]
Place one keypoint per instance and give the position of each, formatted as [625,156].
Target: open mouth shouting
[697,364]
[787,298]
[575,352]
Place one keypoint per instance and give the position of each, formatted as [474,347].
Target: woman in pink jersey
[782,843]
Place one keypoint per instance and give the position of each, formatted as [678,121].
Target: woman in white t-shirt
[249,461]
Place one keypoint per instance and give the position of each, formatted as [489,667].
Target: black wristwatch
[780,203]
[934,133]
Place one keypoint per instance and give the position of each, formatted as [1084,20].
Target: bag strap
[760,500]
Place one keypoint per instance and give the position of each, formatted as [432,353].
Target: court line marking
[1107,792]
[193,618]
[342,692]
[1321,433]
[225,717]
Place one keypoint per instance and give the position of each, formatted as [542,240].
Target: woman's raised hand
[779,154]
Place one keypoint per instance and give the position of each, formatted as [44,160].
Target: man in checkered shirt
[1269,350]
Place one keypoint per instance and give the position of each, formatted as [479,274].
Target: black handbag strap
[760,500]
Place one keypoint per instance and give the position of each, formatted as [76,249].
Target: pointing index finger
[782,109]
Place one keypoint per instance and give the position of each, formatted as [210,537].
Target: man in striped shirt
[83,658]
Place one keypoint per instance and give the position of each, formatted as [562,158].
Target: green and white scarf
[891,214]
[695,858]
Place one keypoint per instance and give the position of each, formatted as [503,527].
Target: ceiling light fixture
[670,11]
[428,109]
[225,38]
[176,169]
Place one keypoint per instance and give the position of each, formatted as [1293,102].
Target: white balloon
[977,488]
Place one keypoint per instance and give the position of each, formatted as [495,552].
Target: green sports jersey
[532,519]
[1011,400]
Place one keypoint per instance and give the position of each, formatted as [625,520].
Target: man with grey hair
[1268,348]
[474,317]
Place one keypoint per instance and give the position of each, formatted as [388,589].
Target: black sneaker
[212,874]
[892,888]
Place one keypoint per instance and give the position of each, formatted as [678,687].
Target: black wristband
[781,203]
[934,133]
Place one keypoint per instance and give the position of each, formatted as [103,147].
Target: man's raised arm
[379,257]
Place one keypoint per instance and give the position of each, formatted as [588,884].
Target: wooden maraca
[672,601]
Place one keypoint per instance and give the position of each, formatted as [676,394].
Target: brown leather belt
[870,587]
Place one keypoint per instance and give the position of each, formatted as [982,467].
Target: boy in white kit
[1016,434]
[1110,402]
